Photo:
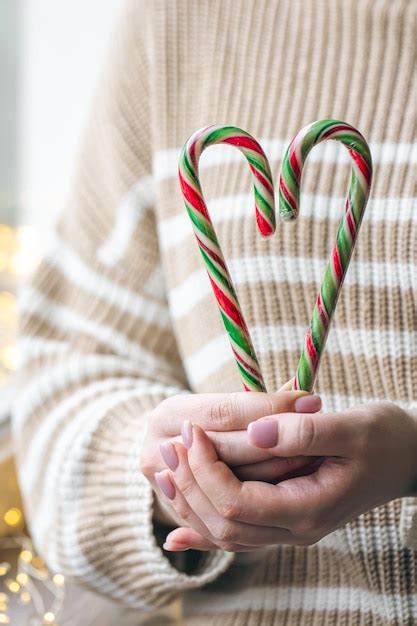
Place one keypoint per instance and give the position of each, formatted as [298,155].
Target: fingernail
[165,484]
[177,547]
[308,404]
[263,433]
[187,433]
[169,454]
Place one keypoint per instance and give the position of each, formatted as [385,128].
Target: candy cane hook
[289,201]
[215,263]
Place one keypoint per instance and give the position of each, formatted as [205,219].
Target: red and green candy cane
[289,201]
[215,263]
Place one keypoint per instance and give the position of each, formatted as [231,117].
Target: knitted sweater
[120,314]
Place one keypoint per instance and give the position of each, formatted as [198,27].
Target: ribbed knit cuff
[117,532]
[408,520]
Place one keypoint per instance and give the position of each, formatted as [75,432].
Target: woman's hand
[367,455]
[225,417]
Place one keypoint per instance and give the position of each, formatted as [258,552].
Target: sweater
[120,314]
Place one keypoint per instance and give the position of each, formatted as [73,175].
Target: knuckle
[306,433]
[183,511]
[224,410]
[186,487]
[224,533]
[230,509]
[228,547]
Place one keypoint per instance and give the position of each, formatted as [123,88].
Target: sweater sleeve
[98,354]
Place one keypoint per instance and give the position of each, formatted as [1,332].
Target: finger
[273,469]
[220,411]
[289,434]
[232,447]
[184,538]
[167,486]
[252,502]
[222,530]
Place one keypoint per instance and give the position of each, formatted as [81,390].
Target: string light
[31,575]
[13,517]
[4,569]
[19,256]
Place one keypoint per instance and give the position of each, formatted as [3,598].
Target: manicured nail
[165,484]
[187,433]
[263,433]
[175,547]
[308,404]
[169,454]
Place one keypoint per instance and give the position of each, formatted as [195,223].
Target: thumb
[306,434]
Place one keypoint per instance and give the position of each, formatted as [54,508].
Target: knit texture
[120,314]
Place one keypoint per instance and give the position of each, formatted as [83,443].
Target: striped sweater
[120,314]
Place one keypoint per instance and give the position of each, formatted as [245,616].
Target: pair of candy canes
[289,199]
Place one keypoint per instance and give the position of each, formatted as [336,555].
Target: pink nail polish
[170,547]
[308,404]
[263,433]
[165,484]
[187,433]
[169,454]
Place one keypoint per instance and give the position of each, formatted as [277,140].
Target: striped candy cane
[289,200]
[215,263]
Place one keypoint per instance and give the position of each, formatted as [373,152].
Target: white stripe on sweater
[35,456]
[64,374]
[345,341]
[131,210]
[84,422]
[36,347]
[174,230]
[78,272]
[283,269]
[65,319]
[71,476]
[165,162]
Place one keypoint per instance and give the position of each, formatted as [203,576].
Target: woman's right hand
[225,418]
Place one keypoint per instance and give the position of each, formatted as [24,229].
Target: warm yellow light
[4,619]
[3,607]
[22,579]
[49,618]
[38,562]
[27,253]
[25,597]
[12,517]
[7,237]
[59,580]
[13,586]
[4,569]
[4,597]
[26,556]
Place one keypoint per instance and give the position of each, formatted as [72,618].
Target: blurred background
[51,55]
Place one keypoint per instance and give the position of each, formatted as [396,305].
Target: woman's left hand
[368,457]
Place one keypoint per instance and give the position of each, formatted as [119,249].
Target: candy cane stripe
[289,194]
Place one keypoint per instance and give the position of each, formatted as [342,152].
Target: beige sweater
[120,314]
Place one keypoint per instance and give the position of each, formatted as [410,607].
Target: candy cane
[218,273]
[289,200]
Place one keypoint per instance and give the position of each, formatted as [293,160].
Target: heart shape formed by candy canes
[289,199]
